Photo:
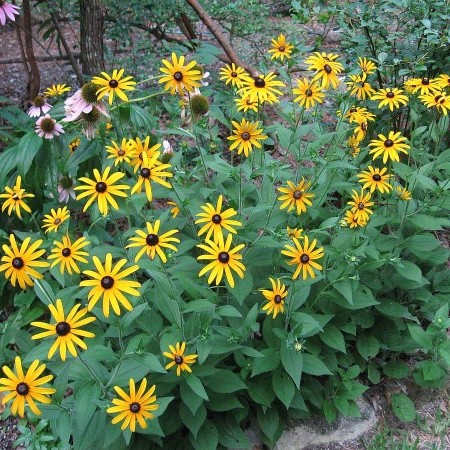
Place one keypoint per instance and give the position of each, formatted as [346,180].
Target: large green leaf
[292,362]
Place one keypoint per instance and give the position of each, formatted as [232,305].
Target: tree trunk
[92,16]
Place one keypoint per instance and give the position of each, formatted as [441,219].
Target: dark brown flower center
[277,299]
[233,74]
[259,82]
[308,92]
[437,98]
[145,173]
[245,135]
[57,221]
[360,206]
[388,143]
[327,68]
[152,239]
[216,218]
[425,81]
[297,195]
[107,282]
[101,187]
[281,48]
[17,263]
[364,126]
[47,125]
[376,177]
[121,152]
[179,359]
[304,259]
[39,100]
[178,76]
[390,95]
[22,388]
[135,407]
[352,110]
[223,257]
[62,329]
[15,197]
[113,84]
[66,252]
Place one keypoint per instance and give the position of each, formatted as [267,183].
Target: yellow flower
[353,144]
[389,146]
[152,243]
[424,85]
[19,263]
[114,84]
[275,298]
[65,329]
[151,170]
[296,196]
[294,233]
[134,407]
[178,76]
[144,147]
[309,92]
[67,254]
[123,153]
[15,198]
[261,88]
[245,104]
[305,256]
[233,74]
[25,388]
[102,189]
[392,97]
[360,205]
[108,282]
[358,114]
[74,144]
[438,100]
[246,135]
[224,259]
[366,65]
[56,89]
[403,193]
[327,69]
[179,359]
[280,48]
[375,179]
[53,220]
[175,210]
[442,81]
[215,220]
[354,220]
[359,87]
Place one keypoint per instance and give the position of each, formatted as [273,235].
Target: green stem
[139,99]
[92,373]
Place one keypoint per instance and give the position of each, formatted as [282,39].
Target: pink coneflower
[82,102]
[40,106]
[65,188]
[89,122]
[7,10]
[47,127]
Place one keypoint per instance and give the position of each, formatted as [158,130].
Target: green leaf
[312,365]
[228,311]
[196,385]
[368,346]
[425,222]
[193,421]
[225,382]
[333,337]
[292,362]
[62,426]
[396,369]
[242,287]
[409,271]
[329,411]
[283,387]
[189,397]
[93,435]
[268,422]
[86,150]
[345,288]
[44,291]
[29,145]
[420,336]
[269,362]
[207,438]
[85,405]
[403,407]
[133,366]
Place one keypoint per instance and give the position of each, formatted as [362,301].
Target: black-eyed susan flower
[389,147]
[121,153]
[215,220]
[245,104]
[224,260]
[153,242]
[15,199]
[358,114]
[68,254]
[102,189]
[296,196]
[114,84]
[74,144]
[143,146]
[359,87]
[179,76]
[366,66]
[25,388]
[392,97]
[66,329]
[151,170]
[327,69]
[281,48]
[361,204]
[442,81]
[294,233]
[246,135]
[134,407]
[353,143]
[56,89]
[375,178]
[233,74]
[360,131]
[305,256]
[179,359]
[262,88]
[110,283]
[175,210]
[19,263]
[275,298]
[54,220]
[437,100]
[425,85]
[403,193]
[309,93]
[354,220]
